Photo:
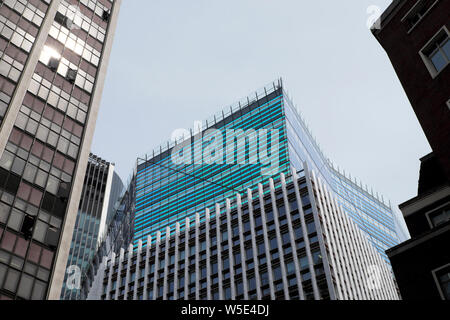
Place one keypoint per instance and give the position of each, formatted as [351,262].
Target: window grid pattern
[293,252]
[38,163]
[168,193]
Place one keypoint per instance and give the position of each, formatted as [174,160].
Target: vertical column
[219,252]
[241,245]
[329,236]
[340,262]
[119,271]
[309,180]
[266,240]
[186,258]
[177,253]
[306,238]
[128,275]
[230,250]
[208,255]
[166,264]
[111,268]
[279,242]
[292,238]
[155,273]
[147,267]
[254,247]
[197,258]
[138,269]
[319,231]
[97,283]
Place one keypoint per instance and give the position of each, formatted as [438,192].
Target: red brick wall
[428,96]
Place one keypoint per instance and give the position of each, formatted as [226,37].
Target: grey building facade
[54,56]
[288,239]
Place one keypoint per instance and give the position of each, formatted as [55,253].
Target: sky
[174,62]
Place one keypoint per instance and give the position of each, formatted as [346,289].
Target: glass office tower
[286,239]
[102,189]
[118,235]
[53,60]
[252,141]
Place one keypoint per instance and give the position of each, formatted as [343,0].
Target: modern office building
[102,190]
[258,138]
[118,234]
[54,56]
[289,238]
[416,37]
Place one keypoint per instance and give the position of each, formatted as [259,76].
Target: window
[224,235]
[304,263]
[227,293]
[290,267]
[418,12]
[105,15]
[273,243]
[442,278]
[252,283]
[286,238]
[181,282]
[214,268]
[439,217]
[226,263]
[317,257]
[239,287]
[436,54]
[71,75]
[264,278]
[311,227]
[277,273]
[249,253]
[53,64]
[237,258]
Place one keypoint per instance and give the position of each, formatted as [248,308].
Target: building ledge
[387,15]
[422,201]
[402,247]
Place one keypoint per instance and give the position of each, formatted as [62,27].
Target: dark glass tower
[102,189]
[54,56]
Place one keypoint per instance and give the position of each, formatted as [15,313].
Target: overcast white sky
[177,61]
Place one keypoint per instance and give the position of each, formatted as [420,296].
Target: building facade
[102,190]
[287,239]
[118,234]
[416,37]
[54,55]
[422,264]
[257,138]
